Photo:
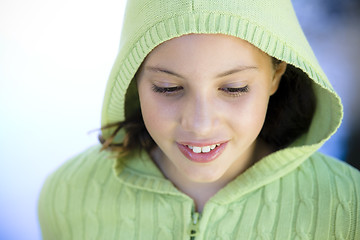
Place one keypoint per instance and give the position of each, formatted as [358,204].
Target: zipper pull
[194,227]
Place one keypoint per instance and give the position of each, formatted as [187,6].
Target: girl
[213,114]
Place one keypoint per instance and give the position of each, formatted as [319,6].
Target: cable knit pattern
[84,199]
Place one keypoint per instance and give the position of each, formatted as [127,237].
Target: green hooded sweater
[293,193]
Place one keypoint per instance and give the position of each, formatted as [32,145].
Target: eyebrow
[223,74]
[163,70]
[236,70]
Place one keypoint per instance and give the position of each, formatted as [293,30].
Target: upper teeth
[204,149]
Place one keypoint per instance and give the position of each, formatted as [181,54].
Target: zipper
[194,227]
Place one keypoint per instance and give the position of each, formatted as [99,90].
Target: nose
[199,116]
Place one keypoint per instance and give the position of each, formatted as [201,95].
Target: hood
[272,26]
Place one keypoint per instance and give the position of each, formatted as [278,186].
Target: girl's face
[204,100]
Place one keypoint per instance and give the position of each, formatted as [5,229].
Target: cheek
[156,109]
[156,113]
[248,114]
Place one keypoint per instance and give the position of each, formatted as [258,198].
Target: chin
[203,176]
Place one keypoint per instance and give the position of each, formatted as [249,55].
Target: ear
[279,71]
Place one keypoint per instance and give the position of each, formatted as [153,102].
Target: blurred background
[55,57]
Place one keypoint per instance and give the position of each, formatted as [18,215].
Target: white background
[55,57]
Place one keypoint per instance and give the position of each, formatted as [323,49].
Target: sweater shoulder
[333,174]
[92,161]
[76,173]
[338,184]
[334,187]
[64,191]
[330,168]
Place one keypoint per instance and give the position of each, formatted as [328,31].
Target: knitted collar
[137,170]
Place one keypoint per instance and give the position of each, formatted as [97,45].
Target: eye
[167,90]
[235,92]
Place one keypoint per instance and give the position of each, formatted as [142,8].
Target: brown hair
[289,115]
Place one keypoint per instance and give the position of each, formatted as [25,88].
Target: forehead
[206,50]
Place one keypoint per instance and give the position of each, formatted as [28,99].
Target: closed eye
[235,92]
[166,90]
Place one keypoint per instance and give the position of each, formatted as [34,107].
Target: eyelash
[167,90]
[233,92]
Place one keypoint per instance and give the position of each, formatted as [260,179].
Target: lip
[201,157]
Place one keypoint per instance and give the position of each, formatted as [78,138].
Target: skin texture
[203,89]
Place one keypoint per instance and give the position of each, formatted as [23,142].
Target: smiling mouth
[204,149]
[202,154]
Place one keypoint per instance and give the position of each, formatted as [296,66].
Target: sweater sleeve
[59,205]
[46,212]
[355,175]
[345,182]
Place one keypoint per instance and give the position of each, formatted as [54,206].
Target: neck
[201,192]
